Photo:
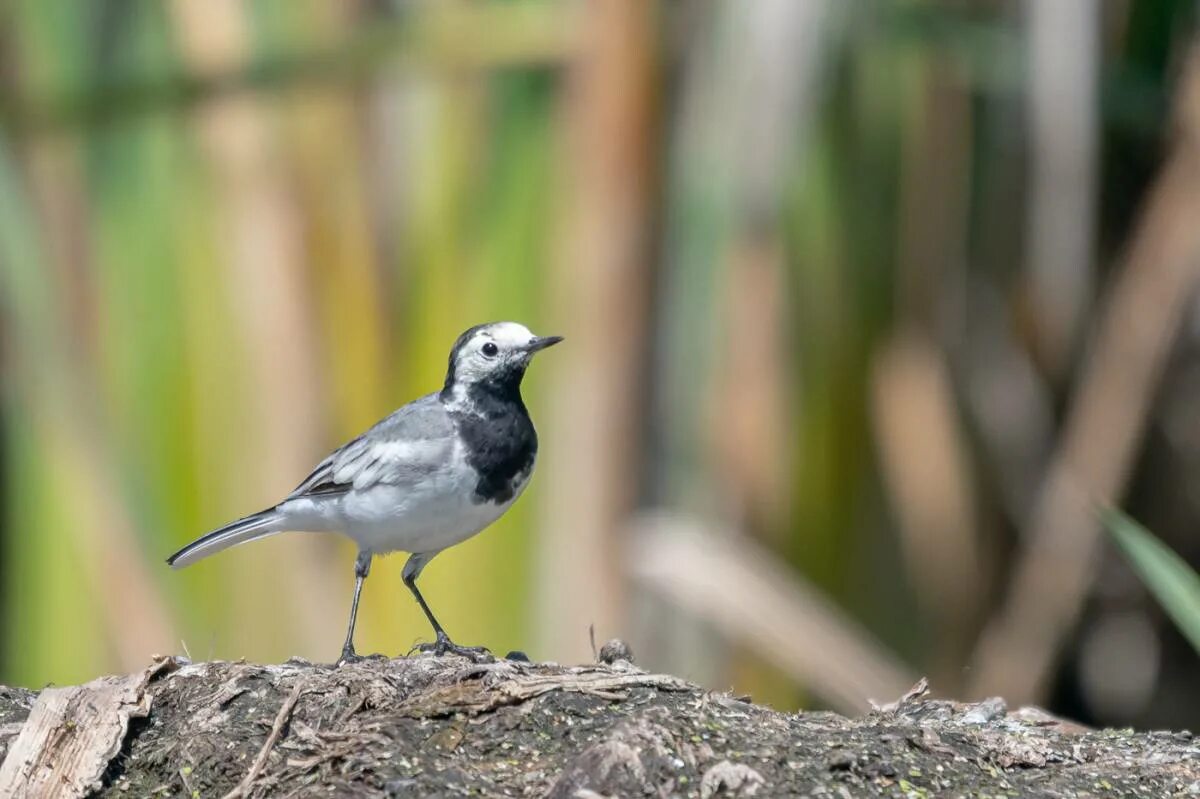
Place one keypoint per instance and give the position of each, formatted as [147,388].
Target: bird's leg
[442,644]
[362,567]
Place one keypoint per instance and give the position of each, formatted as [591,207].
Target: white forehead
[507,333]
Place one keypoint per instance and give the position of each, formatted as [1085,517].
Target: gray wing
[413,441]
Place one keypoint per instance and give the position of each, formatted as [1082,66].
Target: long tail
[251,528]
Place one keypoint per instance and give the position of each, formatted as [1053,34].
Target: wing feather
[414,441]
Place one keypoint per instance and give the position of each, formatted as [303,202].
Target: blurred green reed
[1174,583]
[124,320]
[421,155]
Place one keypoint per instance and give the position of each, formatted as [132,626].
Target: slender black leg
[443,644]
[362,567]
[412,586]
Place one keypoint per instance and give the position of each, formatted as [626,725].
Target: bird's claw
[350,656]
[443,645]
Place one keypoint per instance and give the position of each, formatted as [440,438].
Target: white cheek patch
[458,396]
[470,368]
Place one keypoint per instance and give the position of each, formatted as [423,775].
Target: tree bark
[426,726]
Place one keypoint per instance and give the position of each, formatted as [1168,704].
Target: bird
[430,475]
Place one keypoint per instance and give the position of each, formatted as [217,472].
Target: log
[427,726]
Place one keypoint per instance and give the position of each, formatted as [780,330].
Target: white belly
[427,515]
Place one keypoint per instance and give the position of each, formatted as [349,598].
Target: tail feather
[251,528]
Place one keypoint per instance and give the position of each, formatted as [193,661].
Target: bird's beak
[542,342]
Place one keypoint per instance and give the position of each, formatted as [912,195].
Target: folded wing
[413,441]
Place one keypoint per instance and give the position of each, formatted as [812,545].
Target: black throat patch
[500,440]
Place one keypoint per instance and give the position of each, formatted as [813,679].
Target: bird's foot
[350,656]
[443,645]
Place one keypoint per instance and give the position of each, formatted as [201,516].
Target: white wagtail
[429,476]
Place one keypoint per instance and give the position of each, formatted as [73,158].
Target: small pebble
[615,650]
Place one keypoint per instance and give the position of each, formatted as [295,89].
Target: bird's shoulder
[422,419]
[400,448]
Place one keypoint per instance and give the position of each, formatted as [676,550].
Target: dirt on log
[427,727]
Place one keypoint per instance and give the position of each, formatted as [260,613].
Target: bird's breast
[426,516]
[501,450]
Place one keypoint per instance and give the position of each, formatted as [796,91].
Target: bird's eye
[490,350]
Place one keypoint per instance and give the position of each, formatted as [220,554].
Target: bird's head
[492,357]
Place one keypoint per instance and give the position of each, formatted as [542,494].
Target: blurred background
[867,305]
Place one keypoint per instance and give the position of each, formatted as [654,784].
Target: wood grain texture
[71,735]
